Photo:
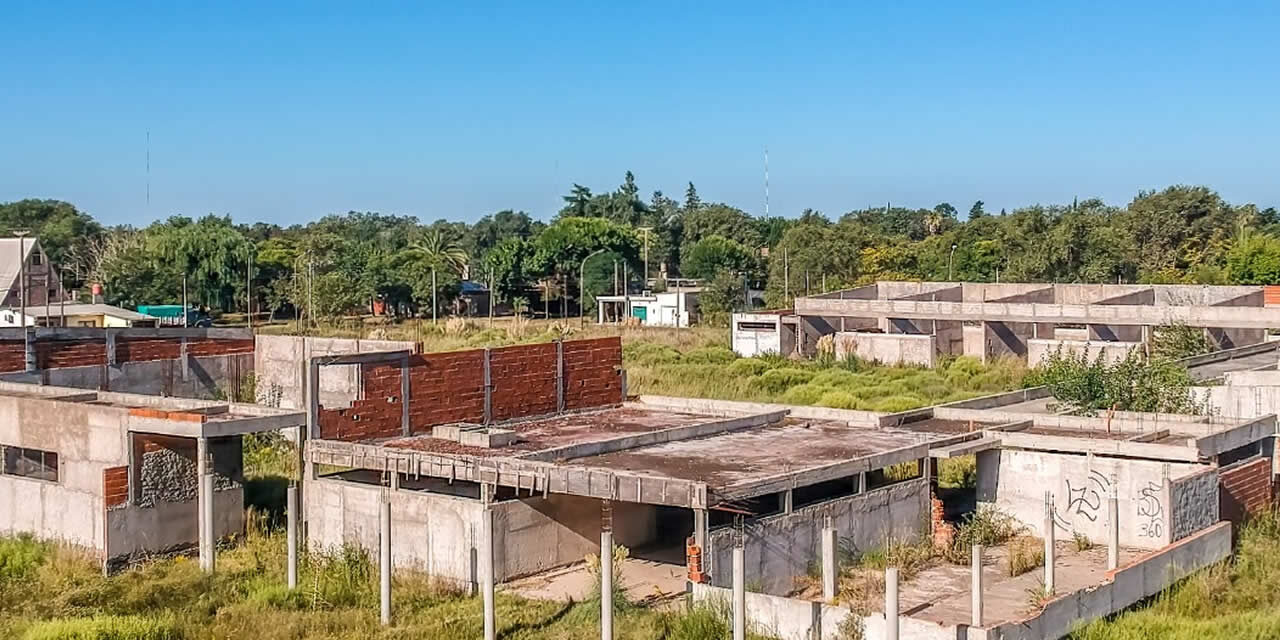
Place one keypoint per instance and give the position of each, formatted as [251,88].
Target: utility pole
[311,291]
[185,307]
[433,296]
[645,278]
[248,296]
[62,297]
[582,287]
[786,278]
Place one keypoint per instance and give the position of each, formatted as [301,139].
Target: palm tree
[441,253]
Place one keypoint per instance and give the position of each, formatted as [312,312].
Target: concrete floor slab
[643,580]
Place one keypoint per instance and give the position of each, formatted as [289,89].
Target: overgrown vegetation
[1025,554]
[987,526]
[51,592]
[713,371]
[958,473]
[1236,600]
[1134,383]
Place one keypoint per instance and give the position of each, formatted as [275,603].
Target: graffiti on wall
[1151,510]
[1084,500]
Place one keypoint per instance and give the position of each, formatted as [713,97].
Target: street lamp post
[950,257]
[582,287]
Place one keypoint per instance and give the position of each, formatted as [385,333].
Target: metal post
[291,533]
[739,593]
[1113,530]
[891,603]
[384,562]
[1048,543]
[433,296]
[829,566]
[185,307]
[606,584]
[976,588]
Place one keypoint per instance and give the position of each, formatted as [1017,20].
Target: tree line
[345,263]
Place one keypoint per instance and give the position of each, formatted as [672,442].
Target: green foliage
[1175,341]
[710,355]
[649,353]
[720,297]
[778,380]
[987,526]
[20,557]
[105,628]
[1254,259]
[1134,383]
[958,473]
[1026,553]
[748,367]
[714,254]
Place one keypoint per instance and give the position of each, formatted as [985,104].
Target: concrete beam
[368,357]
[1122,448]
[1195,316]
[1236,437]
[965,448]
[99,333]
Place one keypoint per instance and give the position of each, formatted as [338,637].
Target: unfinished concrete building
[119,473]
[919,322]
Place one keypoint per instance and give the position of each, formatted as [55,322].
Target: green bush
[710,355]
[958,473]
[894,404]
[808,394]
[748,367]
[838,400]
[965,365]
[20,556]
[839,378]
[104,627]
[779,380]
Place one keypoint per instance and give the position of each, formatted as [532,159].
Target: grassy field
[50,592]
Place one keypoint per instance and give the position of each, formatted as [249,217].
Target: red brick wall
[147,349]
[592,371]
[1244,490]
[115,486]
[449,387]
[56,354]
[524,381]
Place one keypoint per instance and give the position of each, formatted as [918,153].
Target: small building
[120,473]
[24,259]
[75,315]
[678,308]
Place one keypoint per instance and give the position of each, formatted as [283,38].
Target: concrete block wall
[449,387]
[1193,503]
[1016,480]
[889,348]
[781,547]
[1039,350]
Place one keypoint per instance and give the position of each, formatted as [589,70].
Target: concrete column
[486,572]
[976,587]
[700,528]
[1048,543]
[1113,530]
[891,603]
[208,543]
[606,585]
[384,561]
[788,501]
[739,594]
[291,533]
[405,428]
[830,570]
[203,497]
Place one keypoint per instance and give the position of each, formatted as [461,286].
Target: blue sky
[290,111]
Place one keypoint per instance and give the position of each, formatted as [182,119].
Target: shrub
[1082,542]
[838,400]
[20,556]
[838,378]
[779,380]
[748,367]
[894,404]
[965,365]
[105,628]
[809,394]
[710,355]
[987,526]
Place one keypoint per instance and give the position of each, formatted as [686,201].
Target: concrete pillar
[1113,530]
[788,501]
[486,572]
[291,533]
[976,586]
[891,603]
[739,593]
[700,526]
[830,569]
[1048,543]
[384,561]
[606,585]
[208,543]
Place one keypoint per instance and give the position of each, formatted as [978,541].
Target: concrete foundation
[888,348]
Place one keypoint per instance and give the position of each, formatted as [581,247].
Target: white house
[75,315]
[678,308]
